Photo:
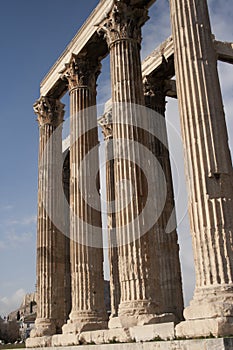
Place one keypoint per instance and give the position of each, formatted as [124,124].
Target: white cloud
[6,207]
[12,238]
[14,231]
[16,238]
[221,19]
[225,74]
[2,245]
[104,91]
[24,221]
[8,304]
[157,29]
[29,220]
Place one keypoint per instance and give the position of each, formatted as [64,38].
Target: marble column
[138,268]
[88,310]
[66,187]
[208,169]
[50,241]
[165,227]
[106,123]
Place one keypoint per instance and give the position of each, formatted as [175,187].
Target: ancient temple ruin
[145,275]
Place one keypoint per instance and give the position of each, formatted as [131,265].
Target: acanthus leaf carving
[124,22]
[106,124]
[153,86]
[81,71]
[49,111]
[154,92]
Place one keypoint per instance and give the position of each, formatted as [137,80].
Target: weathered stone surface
[165,331]
[50,241]
[52,82]
[224,51]
[154,61]
[139,286]
[119,335]
[166,238]
[209,170]
[88,309]
[39,342]
[114,322]
[197,344]
[65,340]
[206,327]
[106,123]
[145,290]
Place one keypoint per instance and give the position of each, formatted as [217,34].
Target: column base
[209,313]
[139,314]
[114,322]
[143,320]
[43,328]
[39,342]
[212,327]
[212,302]
[65,340]
[86,321]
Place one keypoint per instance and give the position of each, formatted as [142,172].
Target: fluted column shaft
[106,123]
[139,286]
[208,160]
[88,310]
[66,187]
[167,241]
[50,241]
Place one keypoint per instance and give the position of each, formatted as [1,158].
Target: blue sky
[32,35]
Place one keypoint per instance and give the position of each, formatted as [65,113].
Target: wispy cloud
[226,73]
[221,19]
[23,222]
[16,238]
[6,207]
[14,231]
[157,29]
[2,245]
[11,239]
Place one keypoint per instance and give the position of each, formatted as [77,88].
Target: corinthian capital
[49,111]
[81,71]
[155,93]
[153,86]
[106,124]
[124,22]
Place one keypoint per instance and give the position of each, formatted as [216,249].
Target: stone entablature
[81,39]
[152,62]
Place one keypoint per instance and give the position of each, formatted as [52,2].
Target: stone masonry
[145,275]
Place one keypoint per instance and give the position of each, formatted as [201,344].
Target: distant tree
[31,307]
[18,316]
[1,326]
[9,331]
